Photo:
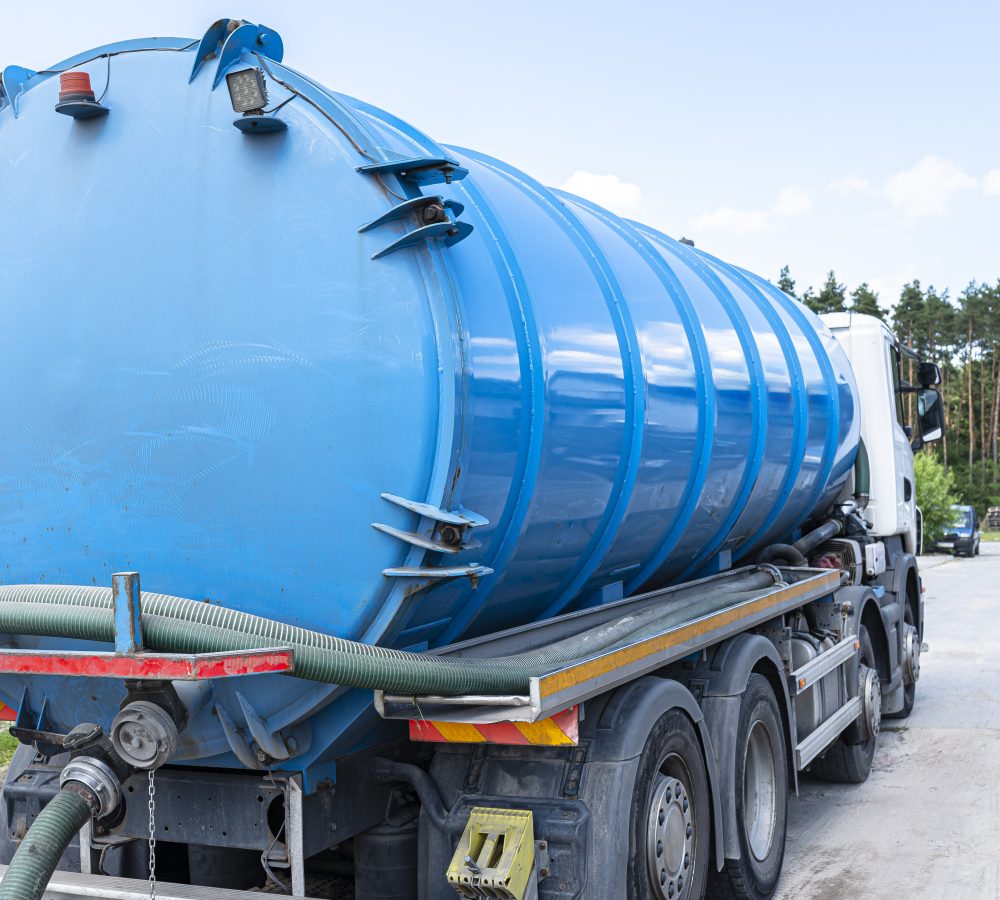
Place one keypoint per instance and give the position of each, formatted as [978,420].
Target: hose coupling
[144,735]
[100,781]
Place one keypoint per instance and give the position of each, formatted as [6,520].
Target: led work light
[248,94]
[247,91]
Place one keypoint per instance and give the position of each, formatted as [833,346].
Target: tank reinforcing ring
[911,654]
[669,838]
[760,791]
[98,778]
[870,718]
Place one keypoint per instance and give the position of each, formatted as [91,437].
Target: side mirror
[930,411]
[928,374]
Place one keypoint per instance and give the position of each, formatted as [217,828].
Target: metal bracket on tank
[268,741]
[461,516]
[261,747]
[472,570]
[419,169]
[449,535]
[239,746]
[12,81]
[418,540]
[438,219]
[227,39]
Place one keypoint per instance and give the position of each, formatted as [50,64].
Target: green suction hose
[50,834]
[177,625]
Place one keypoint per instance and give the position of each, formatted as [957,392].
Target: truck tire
[911,644]
[849,758]
[761,799]
[670,824]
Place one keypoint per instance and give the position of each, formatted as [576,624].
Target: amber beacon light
[76,97]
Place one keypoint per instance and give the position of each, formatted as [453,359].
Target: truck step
[818,741]
[804,678]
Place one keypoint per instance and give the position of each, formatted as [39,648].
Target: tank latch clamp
[419,169]
[435,217]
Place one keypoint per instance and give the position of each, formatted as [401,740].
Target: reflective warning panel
[561,730]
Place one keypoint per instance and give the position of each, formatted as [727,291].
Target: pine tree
[864,300]
[786,282]
[831,298]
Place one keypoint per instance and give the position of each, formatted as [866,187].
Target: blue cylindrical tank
[346,377]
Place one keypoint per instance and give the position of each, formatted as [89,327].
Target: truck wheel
[911,664]
[761,799]
[670,824]
[849,759]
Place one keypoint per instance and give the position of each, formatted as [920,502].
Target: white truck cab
[876,358]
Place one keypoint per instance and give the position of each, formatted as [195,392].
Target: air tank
[310,364]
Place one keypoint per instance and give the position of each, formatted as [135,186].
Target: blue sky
[859,136]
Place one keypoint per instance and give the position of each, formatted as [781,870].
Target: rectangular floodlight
[247,90]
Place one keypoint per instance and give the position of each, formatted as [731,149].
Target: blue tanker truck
[372,510]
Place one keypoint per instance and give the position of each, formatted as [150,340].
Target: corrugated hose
[50,834]
[178,625]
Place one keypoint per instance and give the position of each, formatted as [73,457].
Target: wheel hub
[670,839]
[870,719]
[911,654]
[759,791]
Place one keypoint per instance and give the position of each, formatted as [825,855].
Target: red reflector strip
[155,666]
[7,713]
[561,730]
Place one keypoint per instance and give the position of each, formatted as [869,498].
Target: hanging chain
[152,837]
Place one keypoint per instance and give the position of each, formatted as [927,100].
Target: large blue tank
[214,374]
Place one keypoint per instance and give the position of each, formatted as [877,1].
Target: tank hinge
[460,516]
[228,39]
[261,746]
[268,741]
[448,534]
[429,543]
[237,743]
[419,169]
[437,218]
[472,571]
[12,81]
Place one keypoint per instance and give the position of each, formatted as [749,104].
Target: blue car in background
[962,537]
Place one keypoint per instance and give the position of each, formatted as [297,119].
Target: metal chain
[152,837]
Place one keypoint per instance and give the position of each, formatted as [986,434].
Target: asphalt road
[927,821]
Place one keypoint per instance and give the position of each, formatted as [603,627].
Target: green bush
[8,744]
[935,495]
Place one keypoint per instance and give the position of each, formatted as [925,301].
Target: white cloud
[609,191]
[793,201]
[737,221]
[991,183]
[850,184]
[928,187]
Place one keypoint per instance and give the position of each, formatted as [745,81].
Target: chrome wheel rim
[760,791]
[911,654]
[670,838]
[870,720]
